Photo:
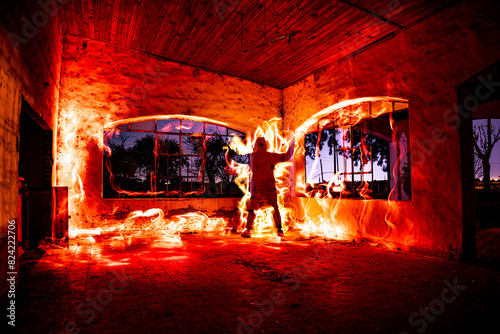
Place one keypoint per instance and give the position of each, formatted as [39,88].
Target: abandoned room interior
[248,166]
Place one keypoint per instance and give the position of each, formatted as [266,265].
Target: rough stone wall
[103,83]
[31,71]
[423,64]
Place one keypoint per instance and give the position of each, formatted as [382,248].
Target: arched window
[364,145]
[168,158]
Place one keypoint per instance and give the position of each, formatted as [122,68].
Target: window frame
[183,178]
[317,128]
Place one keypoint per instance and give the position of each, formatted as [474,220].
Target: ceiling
[273,42]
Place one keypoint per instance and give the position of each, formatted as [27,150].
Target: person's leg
[277,219]
[250,219]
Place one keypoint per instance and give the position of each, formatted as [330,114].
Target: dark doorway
[35,176]
[479,100]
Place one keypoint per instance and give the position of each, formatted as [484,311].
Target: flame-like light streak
[395,173]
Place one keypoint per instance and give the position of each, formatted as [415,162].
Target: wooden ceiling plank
[105,21]
[334,37]
[196,36]
[321,40]
[214,29]
[97,18]
[85,17]
[182,22]
[108,19]
[82,21]
[170,23]
[174,22]
[228,38]
[310,24]
[136,9]
[115,15]
[305,24]
[163,29]
[126,10]
[90,13]
[144,25]
[148,35]
[120,25]
[230,23]
[407,10]
[259,26]
[314,44]
[78,17]
[257,22]
[331,56]
[275,25]
[62,14]
[348,44]
[100,25]
[172,26]
[71,16]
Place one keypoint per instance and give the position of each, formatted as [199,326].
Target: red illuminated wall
[423,64]
[32,72]
[102,83]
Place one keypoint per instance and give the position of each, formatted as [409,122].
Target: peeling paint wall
[103,83]
[423,64]
[31,71]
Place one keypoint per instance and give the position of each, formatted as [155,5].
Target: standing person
[264,185]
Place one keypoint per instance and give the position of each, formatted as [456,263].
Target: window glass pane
[122,127]
[215,163]
[192,145]
[215,129]
[129,157]
[132,140]
[143,126]
[185,166]
[194,166]
[344,137]
[174,165]
[168,166]
[344,161]
[191,127]
[310,151]
[168,125]
[168,144]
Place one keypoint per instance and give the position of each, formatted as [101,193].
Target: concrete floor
[228,284]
